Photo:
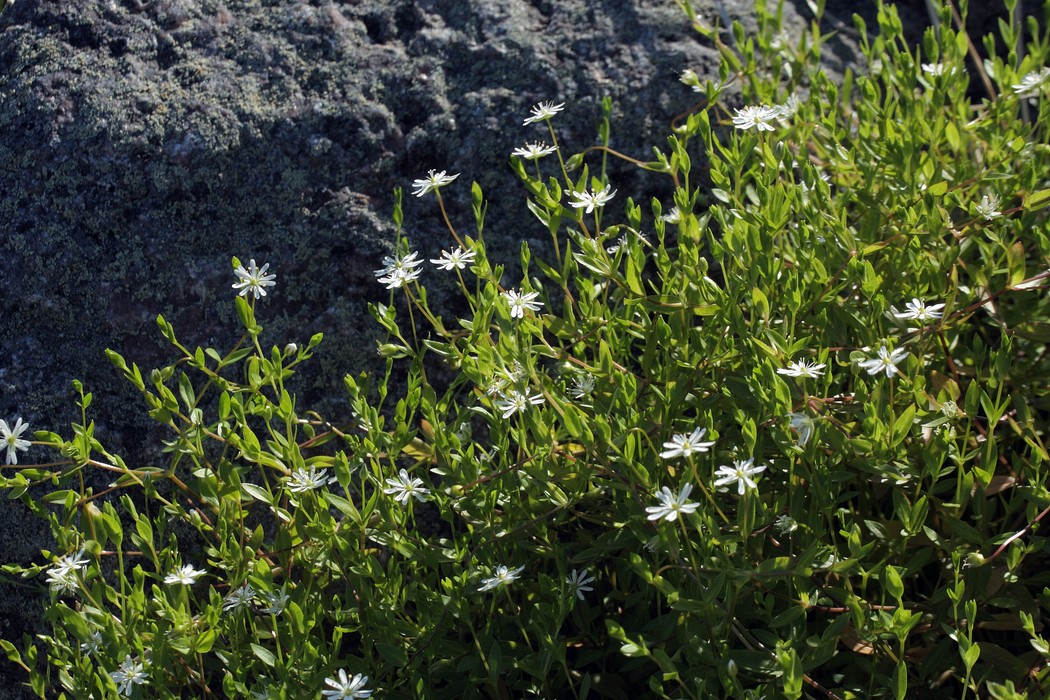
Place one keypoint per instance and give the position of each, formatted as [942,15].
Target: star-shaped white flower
[758,117]
[740,474]
[503,577]
[1032,83]
[302,481]
[185,575]
[432,182]
[130,674]
[240,597]
[671,505]
[63,576]
[542,112]
[276,601]
[802,368]
[253,279]
[578,583]
[515,401]
[589,200]
[884,361]
[918,311]
[533,151]
[522,301]
[345,687]
[398,271]
[803,425]
[10,438]
[989,207]
[406,487]
[683,445]
[458,259]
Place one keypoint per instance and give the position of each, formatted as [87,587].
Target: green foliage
[832,333]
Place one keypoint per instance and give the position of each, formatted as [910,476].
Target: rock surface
[148,141]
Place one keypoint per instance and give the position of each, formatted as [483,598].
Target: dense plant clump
[780,434]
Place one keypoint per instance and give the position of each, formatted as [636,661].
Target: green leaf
[264,655]
[1037,200]
[257,492]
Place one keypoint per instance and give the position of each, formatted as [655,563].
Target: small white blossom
[253,279]
[542,112]
[758,117]
[515,401]
[671,505]
[185,575]
[93,643]
[432,182]
[950,409]
[802,368]
[789,109]
[276,601]
[1032,83]
[533,151]
[406,487]
[803,425]
[345,687]
[240,597]
[740,474]
[11,438]
[522,301]
[937,69]
[884,361]
[458,259]
[989,207]
[130,674]
[918,311]
[683,445]
[398,271]
[578,583]
[302,481]
[673,216]
[503,577]
[590,200]
[582,386]
[62,577]
[785,524]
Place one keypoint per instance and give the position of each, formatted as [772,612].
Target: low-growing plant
[781,433]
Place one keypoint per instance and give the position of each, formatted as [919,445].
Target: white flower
[503,577]
[592,199]
[458,259]
[406,487]
[11,439]
[803,425]
[918,311]
[673,216]
[672,505]
[520,301]
[1032,83]
[937,69]
[516,401]
[432,182]
[253,279]
[93,643]
[950,409]
[239,598]
[740,474]
[130,674]
[683,445]
[302,481]
[398,271]
[542,112]
[802,368]
[533,151]
[884,361]
[789,109]
[276,601]
[346,687]
[578,583]
[185,575]
[989,207]
[756,117]
[582,386]
[785,524]
[62,576]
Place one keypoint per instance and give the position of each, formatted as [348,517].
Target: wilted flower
[671,504]
[578,583]
[884,361]
[803,425]
[757,117]
[683,445]
[253,279]
[503,577]
[589,200]
[458,259]
[542,112]
[533,151]
[521,301]
[345,687]
[406,487]
[740,474]
[432,182]
[10,438]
